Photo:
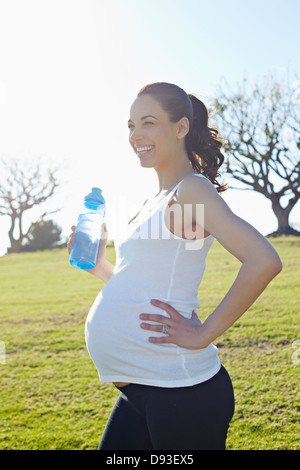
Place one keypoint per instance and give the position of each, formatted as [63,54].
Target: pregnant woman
[142,332]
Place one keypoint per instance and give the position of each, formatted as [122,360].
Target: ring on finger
[165,329]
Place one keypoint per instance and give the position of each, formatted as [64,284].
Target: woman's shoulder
[196,188]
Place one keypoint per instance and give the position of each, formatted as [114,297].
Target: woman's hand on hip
[185,332]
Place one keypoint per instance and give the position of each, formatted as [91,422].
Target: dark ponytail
[202,142]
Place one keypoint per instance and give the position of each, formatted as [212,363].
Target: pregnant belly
[113,322]
[113,330]
[114,337]
[112,317]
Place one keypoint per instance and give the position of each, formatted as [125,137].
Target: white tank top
[151,263]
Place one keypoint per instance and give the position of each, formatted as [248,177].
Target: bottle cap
[95,195]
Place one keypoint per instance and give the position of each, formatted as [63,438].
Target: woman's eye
[146,123]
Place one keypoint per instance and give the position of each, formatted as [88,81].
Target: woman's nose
[135,135]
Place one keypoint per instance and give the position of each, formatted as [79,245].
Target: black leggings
[191,418]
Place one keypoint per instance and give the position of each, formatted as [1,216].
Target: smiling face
[153,137]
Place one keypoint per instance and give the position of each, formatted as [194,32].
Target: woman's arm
[103,269]
[257,270]
[260,264]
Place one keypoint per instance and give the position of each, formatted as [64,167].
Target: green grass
[51,397]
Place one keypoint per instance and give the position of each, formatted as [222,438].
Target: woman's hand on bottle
[103,268]
[185,332]
[102,248]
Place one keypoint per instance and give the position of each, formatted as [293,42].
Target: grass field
[51,397]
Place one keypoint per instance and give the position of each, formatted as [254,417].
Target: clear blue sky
[70,69]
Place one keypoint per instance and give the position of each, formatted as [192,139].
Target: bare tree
[24,186]
[262,132]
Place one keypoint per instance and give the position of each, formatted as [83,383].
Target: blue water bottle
[88,231]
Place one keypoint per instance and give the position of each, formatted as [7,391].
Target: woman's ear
[183,127]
